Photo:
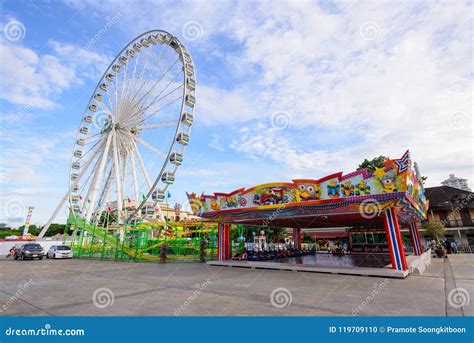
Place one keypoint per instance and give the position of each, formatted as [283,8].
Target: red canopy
[332,234]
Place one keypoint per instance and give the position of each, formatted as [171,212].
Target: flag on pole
[129,200]
[143,196]
[169,195]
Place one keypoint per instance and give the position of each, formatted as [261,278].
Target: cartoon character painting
[214,205]
[362,188]
[333,189]
[347,190]
[307,191]
[232,201]
[270,197]
[198,204]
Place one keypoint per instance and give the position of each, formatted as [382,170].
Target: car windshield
[32,246]
[63,247]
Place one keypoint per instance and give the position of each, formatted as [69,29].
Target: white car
[59,251]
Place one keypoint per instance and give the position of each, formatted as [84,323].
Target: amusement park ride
[129,145]
[391,195]
[131,141]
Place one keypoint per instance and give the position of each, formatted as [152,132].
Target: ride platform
[360,271]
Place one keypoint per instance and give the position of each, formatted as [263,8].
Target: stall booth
[387,198]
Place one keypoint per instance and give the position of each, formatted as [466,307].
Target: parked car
[59,251]
[28,250]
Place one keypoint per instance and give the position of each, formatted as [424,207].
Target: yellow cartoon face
[361,183]
[308,191]
[347,183]
[389,182]
[332,183]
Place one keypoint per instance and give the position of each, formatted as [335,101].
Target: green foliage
[5,233]
[55,229]
[307,238]
[435,229]
[370,165]
[33,229]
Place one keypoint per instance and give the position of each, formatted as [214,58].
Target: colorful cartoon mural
[394,177]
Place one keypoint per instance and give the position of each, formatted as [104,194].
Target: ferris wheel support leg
[98,179]
[66,196]
[161,217]
[134,176]
[117,183]
[105,198]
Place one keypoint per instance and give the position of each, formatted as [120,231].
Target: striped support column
[415,238]
[223,246]
[394,239]
[297,237]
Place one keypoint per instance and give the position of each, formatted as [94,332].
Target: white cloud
[36,80]
[90,64]
[350,96]
[29,79]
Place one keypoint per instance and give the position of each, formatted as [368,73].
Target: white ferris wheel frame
[88,210]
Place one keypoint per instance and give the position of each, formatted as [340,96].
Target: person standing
[454,247]
[447,243]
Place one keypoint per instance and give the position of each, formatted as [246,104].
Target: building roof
[445,197]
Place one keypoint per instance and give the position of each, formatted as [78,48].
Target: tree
[32,229]
[55,229]
[375,162]
[435,229]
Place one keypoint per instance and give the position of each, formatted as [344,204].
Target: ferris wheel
[133,132]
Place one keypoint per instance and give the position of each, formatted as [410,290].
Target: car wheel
[15,257]
[40,257]
[54,255]
[23,257]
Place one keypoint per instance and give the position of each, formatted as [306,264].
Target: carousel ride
[131,142]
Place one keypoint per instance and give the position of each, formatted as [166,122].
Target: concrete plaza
[81,287]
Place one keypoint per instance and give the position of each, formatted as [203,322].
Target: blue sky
[286,89]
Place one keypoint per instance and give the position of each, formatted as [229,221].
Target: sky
[286,89]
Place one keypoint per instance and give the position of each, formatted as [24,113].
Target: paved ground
[67,287]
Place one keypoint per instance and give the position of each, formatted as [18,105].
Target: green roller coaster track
[142,241]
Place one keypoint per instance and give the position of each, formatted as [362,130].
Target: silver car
[59,251]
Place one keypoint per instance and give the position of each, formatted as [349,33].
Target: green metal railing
[136,242]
